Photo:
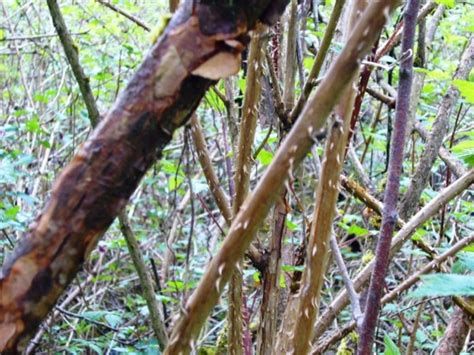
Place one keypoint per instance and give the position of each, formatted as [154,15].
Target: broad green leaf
[174,182]
[418,235]
[469,248]
[390,347]
[264,157]
[466,88]
[257,277]
[41,97]
[465,263]
[357,231]
[170,168]
[12,212]
[445,285]
[308,63]
[465,151]
[448,3]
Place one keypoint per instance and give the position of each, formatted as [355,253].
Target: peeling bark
[456,333]
[98,182]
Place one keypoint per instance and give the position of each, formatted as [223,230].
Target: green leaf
[390,347]
[448,3]
[257,277]
[33,125]
[357,231]
[469,248]
[41,97]
[291,268]
[465,263]
[174,182]
[12,212]
[445,285]
[465,151]
[434,74]
[90,345]
[466,88]
[265,157]
[170,168]
[282,281]
[113,319]
[418,235]
[292,226]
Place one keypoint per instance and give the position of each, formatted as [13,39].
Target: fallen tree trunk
[201,44]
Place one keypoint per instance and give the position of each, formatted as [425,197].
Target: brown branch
[327,193]
[440,127]
[214,185]
[387,100]
[72,55]
[454,338]
[97,184]
[397,34]
[397,291]
[146,282]
[452,163]
[353,295]
[124,13]
[242,180]
[443,197]
[276,94]
[209,173]
[319,60]
[429,267]
[362,194]
[295,147]
[269,311]
[290,60]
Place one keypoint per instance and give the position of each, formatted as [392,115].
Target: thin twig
[397,291]
[124,13]
[72,55]
[360,280]
[389,215]
[145,280]
[319,60]
[353,295]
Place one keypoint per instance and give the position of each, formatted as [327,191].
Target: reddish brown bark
[456,333]
[204,38]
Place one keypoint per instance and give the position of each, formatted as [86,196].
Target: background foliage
[43,121]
